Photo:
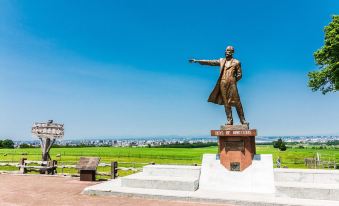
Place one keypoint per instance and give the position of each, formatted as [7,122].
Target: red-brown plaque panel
[236,148]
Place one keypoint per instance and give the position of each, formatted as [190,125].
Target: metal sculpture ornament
[47,133]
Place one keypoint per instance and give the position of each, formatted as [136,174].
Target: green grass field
[134,156]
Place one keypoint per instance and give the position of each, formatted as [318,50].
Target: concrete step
[303,190]
[317,176]
[143,180]
[172,170]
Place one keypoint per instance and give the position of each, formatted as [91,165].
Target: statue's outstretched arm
[206,62]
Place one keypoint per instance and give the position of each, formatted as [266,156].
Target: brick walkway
[47,190]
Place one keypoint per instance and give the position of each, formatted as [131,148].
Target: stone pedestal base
[236,148]
[257,178]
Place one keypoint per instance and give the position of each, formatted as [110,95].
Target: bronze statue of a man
[225,91]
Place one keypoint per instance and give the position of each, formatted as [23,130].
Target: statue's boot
[228,110]
[241,115]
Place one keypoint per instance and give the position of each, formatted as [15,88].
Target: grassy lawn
[134,156]
[294,157]
[108,154]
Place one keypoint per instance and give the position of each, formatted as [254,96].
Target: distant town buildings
[157,141]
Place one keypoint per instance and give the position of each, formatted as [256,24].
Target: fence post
[114,170]
[23,170]
[55,165]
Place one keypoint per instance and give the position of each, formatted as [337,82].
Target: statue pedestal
[236,147]
[257,178]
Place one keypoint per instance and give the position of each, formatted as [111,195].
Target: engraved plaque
[234,133]
[88,163]
[234,145]
[235,166]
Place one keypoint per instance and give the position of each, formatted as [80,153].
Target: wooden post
[55,163]
[22,163]
[114,170]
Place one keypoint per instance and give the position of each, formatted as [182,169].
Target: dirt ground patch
[52,190]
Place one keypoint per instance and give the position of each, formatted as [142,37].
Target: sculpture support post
[46,144]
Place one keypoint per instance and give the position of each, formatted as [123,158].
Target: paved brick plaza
[48,190]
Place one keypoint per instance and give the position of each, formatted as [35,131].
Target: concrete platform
[142,180]
[166,177]
[293,187]
[114,188]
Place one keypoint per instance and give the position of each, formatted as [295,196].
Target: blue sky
[119,68]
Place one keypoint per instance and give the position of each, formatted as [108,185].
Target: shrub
[283,147]
[279,144]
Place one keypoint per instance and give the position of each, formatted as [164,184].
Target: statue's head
[229,51]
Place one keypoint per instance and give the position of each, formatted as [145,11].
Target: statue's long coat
[235,74]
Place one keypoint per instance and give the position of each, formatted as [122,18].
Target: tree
[7,143]
[1,144]
[280,144]
[276,144]
[283,147]
[327,58]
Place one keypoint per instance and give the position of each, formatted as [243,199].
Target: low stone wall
[307,183]
[316,176]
